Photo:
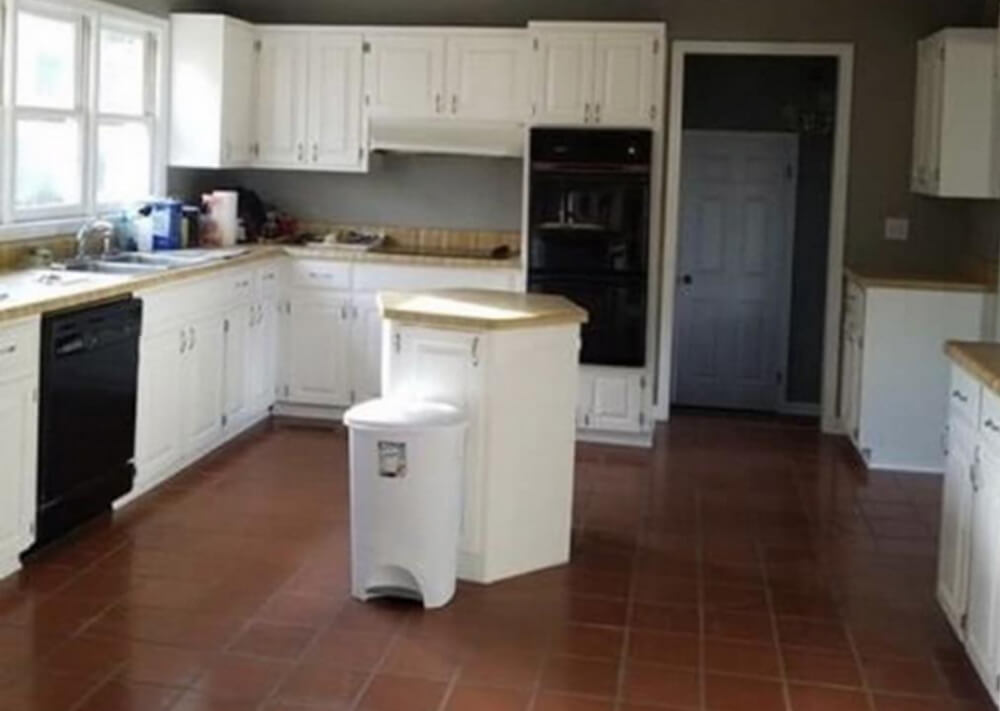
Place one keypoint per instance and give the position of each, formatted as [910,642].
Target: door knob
[686,280]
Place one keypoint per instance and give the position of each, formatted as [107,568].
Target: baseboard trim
[643,440]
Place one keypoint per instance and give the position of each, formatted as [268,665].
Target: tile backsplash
[14,254]
[424,239]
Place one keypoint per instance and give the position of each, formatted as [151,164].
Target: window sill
[40,229]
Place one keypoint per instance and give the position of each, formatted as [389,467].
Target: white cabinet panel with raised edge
[626,78]
[282,97]
[488,75]
[335,111]
[405,73]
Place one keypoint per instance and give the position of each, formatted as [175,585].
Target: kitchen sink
[109,266]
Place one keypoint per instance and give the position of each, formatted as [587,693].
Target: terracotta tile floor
[742,565]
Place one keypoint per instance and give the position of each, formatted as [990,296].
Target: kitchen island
[511,362]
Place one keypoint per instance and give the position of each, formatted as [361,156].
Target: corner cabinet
[19,358]
[954,127]
[212,84]
[309,113]
[894,416]
[598,74]
[968,583]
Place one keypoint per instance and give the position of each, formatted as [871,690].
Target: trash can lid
[399,414]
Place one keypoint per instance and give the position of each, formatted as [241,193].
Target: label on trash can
[392,460]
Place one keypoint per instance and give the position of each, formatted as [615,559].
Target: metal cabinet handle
[586,112]
[992,426]
[958,395]
[343,312]
[184,343]
[315,153]
[475,352]
[8,350]
[454,103]
[192,337]
[300,152]
[973,476]
[437,103]
[597,113]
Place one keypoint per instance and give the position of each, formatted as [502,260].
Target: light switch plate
[897,229]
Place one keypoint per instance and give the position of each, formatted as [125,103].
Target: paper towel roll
[223,210]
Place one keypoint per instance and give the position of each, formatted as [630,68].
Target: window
[86,114]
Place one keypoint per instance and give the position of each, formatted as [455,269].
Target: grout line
[773,616]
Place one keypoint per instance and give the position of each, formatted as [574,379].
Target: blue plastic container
[167,217]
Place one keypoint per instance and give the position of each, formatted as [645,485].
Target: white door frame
[844,53]
[789,143]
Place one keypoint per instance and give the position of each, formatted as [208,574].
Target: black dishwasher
[86,436]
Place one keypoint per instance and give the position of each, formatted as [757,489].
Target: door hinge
[642,419]
[287,391]
[586,420]
[368,99]
[361,152]
[366,47]
[963,622]
[225,420]
[257,45]
[354,397]
[475,352]
[652,112]
[397,342]
[656,46]
[225,326]
[31,528]
[534,44]
[642,382]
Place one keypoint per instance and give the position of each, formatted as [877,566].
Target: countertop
[78,288]
[479,309]
[981,359]
[928,282]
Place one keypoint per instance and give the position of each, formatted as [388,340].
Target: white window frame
[92,16]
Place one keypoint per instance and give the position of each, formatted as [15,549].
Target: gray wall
[884,33]
[755,94]
[420,191]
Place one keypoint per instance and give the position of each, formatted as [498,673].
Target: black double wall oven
[589,233]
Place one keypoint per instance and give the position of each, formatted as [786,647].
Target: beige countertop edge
[256,254]
[980,359]
[870,281]
[471,323]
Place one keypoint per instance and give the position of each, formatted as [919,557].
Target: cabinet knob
[454,103]
[958,395]
[597,113]
[586,112]
[315,153]
[300,152]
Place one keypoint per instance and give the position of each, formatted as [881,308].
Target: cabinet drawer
[19,349]
[964,396]
[315,274]
[989,422]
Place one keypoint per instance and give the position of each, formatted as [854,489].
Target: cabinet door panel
[18,443]
[625,78]
[158,445]
[431,365]
[319,358]
[262,356]
[236,344]
[564,76]
[488,76]
[335,100]
[366,343]
[405,75]
[983,624]
[616,402]
[237,94]
[956,513]
[202,377]
[281,98]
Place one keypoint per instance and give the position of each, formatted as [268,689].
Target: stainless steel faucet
[97,227]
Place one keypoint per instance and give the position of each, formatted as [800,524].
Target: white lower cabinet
[366,347]
[19,357]
[612,400]
[968,585]
[319,326]
[205,373]
[956,518]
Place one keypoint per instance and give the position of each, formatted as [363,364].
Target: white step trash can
[407,463]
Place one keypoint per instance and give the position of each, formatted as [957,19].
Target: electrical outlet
[897,229]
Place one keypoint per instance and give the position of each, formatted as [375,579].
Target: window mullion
[88,84]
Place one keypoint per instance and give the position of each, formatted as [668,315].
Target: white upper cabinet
[564,76]
[309,100]
[334,100]
[282,98]
[598,74]
[405,73]
[625,78]
[464,74]
[954,143]
[212,81]
[488,75]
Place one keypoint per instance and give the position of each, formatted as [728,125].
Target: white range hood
[448,137]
